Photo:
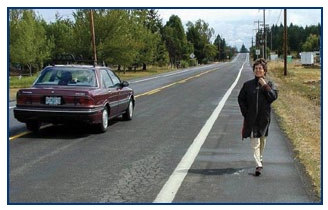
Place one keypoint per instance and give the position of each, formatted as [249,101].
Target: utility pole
[257,38]
[285,42]
[257,31]
[271,38]
[93,38]
[264,36]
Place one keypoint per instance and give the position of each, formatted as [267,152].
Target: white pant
[258,145]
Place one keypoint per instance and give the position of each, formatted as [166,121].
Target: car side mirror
[125,84]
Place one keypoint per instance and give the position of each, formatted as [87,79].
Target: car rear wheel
[33,126]
[104,121]
[129,112]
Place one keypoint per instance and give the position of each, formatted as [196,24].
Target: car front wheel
[104,121]
[128,112]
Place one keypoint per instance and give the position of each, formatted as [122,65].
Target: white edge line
[171,187]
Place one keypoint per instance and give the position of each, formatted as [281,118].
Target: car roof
[78,66]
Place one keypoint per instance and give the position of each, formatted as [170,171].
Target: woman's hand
[262,81]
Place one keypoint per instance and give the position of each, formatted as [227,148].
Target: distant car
[74,93]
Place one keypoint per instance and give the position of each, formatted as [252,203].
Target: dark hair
[262,62]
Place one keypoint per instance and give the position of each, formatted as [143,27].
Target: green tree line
[299,39]
[124,38]
[132,37]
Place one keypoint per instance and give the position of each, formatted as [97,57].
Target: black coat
[255,106]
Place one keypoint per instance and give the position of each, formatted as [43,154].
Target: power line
[279,17]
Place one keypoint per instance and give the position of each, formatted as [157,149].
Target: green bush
[192,62]
[184,64]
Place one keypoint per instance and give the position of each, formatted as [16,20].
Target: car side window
[115,79]
[106,80]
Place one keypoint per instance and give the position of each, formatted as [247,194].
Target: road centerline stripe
[174,83]
[171,187]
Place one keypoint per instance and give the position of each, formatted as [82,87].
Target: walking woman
[255,100]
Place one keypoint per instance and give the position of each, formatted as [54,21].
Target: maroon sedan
[75,93]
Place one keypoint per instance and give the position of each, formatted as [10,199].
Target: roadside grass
[151,70]
[299,112]
[24,81]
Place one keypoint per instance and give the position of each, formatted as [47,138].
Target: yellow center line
[19,135]
[174,83]
[139,95]
[153,91]
[26,132]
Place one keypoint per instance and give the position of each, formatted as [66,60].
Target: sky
[236,25]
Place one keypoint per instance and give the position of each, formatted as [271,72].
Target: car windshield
[67,76]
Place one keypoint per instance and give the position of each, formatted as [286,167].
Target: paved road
[140,161]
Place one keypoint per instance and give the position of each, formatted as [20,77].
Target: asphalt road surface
[183,146]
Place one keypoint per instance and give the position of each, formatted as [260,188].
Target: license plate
[50,100]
